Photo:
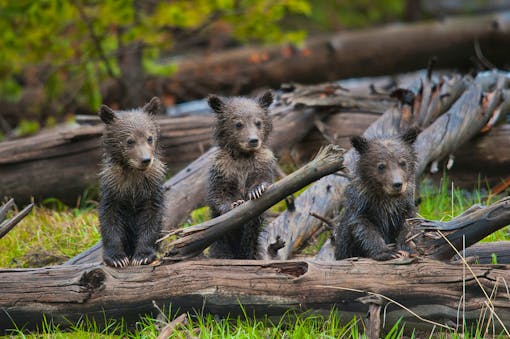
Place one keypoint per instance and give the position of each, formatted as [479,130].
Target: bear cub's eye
[149,140]
[239,125]
[130,142]
[402,163]
[381,167]
[258,123]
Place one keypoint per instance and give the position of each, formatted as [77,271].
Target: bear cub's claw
[257,191]
[237,203]
[143,258]
[116,261]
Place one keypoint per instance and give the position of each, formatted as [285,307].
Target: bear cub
[378,199]
[242,168]
[132,176]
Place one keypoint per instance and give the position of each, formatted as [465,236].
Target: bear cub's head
[130,137]
[387,166]
[242,124]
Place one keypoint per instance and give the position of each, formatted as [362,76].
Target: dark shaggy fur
[132,175]
[378,199]
[241,169]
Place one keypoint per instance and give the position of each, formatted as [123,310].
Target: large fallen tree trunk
[65,294]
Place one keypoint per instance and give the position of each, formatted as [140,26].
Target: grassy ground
[51,235]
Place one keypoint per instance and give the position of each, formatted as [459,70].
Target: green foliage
[329,15]
[72,46]
[27,127]
[447,201]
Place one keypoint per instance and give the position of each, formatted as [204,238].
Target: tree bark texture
[64,294]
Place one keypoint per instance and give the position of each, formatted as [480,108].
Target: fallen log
[464,119]
[196,238]
[64,294]
[63,163]
[375,51]
[496,252]
[460,232]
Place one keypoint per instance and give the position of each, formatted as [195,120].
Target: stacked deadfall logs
[450,111]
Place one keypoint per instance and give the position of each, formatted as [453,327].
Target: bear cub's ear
[107,114]
[216,104]
[266,100]
[153,107]
[409,137]
[360,144]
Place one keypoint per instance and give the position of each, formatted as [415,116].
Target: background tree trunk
[376,51]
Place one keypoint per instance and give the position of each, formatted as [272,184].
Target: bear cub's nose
[146,161]
[397,186]
[253,142]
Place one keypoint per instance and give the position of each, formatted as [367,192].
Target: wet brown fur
[378,199]
[132,174]
[240,169]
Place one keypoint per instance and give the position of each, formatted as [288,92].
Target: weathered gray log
[196,238]
[64,294]
[464,119]
[460,232]
[62,163]
[490,252]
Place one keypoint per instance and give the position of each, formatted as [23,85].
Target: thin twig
[8,225]
[328,222]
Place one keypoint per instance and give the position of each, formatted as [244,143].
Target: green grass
[48,236]
[446,201]
[52,235]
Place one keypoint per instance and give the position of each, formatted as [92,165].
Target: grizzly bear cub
[130,210]
[242,168]
[379,198]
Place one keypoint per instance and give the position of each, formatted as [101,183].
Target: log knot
[294,269]
[93,280]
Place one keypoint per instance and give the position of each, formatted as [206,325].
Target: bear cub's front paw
[390,252]
[256,192]
[143,257]
[116,260]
